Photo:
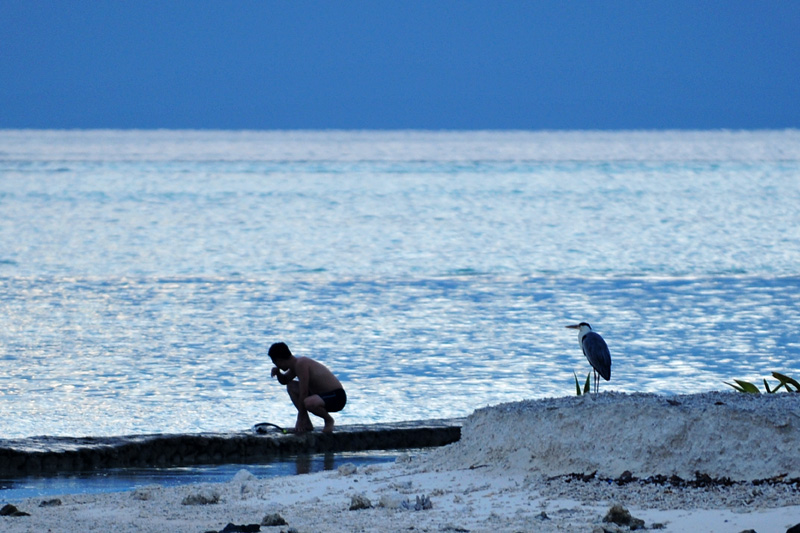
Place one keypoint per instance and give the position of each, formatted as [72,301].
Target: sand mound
[740,436]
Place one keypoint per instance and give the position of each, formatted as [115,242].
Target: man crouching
[316,390]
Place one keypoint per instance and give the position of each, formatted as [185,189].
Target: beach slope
[707,462]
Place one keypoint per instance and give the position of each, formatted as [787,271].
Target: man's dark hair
[279,350]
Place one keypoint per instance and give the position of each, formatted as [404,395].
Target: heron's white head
[583,328]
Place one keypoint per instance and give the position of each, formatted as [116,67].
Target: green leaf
[737,387]
[747,387]
[577,385]
[587,388]
[786,381]
[766,387]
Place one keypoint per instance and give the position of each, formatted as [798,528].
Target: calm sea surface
[144,274]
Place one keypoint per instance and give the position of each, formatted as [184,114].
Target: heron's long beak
[576,326]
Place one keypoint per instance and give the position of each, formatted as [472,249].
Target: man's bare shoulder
[306,363]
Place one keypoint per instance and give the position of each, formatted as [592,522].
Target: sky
[403,64]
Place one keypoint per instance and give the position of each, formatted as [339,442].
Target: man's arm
[283,378]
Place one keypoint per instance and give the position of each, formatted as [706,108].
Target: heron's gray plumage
[596,351]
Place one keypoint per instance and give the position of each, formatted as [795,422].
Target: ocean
[144,274]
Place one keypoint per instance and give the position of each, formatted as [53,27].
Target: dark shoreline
[45,455]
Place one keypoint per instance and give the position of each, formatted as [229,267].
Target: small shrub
[784,382]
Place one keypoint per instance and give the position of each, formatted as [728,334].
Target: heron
[596,351]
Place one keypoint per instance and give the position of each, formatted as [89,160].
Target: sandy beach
[715,462]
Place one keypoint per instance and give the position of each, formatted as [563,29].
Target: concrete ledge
[37,455]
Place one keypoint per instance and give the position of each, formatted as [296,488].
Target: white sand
[499,477]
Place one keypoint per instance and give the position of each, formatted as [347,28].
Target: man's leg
[316,405]
[303,422]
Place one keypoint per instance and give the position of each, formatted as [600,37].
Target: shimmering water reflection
[143,275]
[120,354]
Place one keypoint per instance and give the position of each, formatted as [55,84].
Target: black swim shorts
[334,400]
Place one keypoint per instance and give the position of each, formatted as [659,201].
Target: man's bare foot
[328,426]
[303,428]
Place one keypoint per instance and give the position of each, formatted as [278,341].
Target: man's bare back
[320,379]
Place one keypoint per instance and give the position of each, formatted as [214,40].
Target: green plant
[586,386]
[791,385]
